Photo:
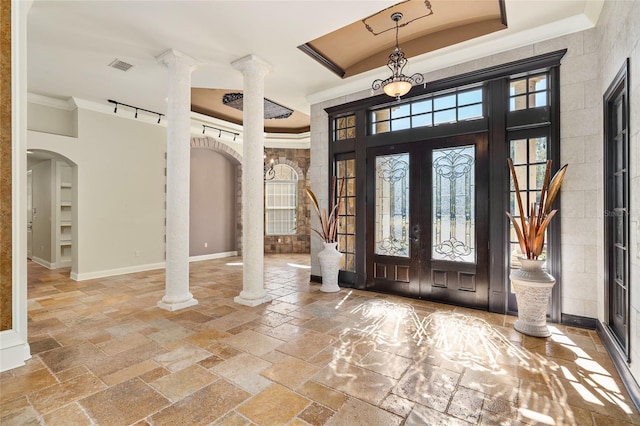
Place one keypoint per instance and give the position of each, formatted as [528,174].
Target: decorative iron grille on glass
[398,84]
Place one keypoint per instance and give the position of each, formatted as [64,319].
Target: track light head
[136,113]
[159,117]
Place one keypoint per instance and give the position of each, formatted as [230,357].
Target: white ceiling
[71,43]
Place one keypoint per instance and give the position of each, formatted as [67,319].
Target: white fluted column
[253,70]
[177,295]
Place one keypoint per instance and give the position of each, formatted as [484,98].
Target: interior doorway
[51,210]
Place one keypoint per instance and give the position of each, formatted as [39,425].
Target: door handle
[415,233]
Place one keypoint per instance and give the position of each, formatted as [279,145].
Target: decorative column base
[248,299]
[168,305]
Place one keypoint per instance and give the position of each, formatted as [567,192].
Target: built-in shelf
[64,220]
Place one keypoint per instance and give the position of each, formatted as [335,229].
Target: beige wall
[42,175]
[120,192]
[41,118]
[212,214]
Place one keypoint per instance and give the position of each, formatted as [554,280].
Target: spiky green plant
[531,229]
[328,221]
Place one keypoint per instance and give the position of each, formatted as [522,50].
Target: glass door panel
[392,205]
[453,198]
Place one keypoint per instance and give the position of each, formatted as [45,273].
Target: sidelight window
[347,215]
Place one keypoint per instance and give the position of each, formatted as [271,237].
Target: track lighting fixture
[115,110]
[205,126]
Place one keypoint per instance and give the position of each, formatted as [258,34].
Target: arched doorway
[51,210]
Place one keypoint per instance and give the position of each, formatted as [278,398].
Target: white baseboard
[142,268]
[14,351]
[213,256]
[118,271]
[44,263]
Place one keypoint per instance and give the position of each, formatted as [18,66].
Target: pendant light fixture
[398,84]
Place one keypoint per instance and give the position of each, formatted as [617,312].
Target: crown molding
[65,104]
[271,140]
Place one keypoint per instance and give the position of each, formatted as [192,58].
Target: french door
[617,209]
[427,220]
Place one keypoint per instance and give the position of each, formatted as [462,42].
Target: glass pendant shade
[396,89]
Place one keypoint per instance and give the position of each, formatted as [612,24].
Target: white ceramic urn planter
[532,286]
[330,259]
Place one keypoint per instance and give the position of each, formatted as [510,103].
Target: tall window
[529,157]
[617,208]
[281,201]
[347,215]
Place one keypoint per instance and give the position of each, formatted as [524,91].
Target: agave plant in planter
[531,284]
[329,257]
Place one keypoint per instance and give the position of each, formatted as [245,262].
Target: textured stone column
[253,70]
[177,295]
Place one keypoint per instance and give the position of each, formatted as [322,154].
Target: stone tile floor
[104,354]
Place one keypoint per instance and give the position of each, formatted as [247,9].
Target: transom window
[281,201]
[529,92]
[428,112]
[344,127]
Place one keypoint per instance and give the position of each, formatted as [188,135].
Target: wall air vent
[120,65]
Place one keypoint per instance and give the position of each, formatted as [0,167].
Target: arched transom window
[281,201]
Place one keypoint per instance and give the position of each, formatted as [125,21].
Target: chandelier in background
[398,84]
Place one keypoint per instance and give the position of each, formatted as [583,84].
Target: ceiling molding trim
[67,105]
[323,60]
[274,140]
[482,47]
[593,9]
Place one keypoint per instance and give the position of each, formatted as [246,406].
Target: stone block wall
[298,159]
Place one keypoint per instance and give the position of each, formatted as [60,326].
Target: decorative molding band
[620,363]
[117,271]
[578,321]
[213,256]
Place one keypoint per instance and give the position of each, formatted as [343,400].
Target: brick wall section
[298,159]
